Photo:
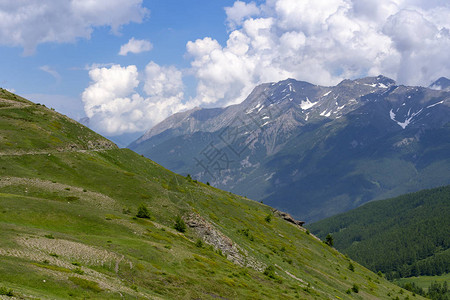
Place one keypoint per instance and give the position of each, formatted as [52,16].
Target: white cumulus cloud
[115,106]
[239,11]
[322,41]
[27,23]
[135,46]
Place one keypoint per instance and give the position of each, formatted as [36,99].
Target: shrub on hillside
[143,212]
[179,224]
[270,272]
[6,292]
[351,267]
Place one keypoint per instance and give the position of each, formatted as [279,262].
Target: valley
[70,227]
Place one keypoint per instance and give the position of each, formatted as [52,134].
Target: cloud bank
[320,41]
[27,23]
[135,46]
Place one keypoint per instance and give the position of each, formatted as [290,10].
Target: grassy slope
[67,226]
[404,236]
[25,127]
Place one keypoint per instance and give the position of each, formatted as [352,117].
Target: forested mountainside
[404,236]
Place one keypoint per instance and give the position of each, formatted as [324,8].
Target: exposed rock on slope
[287,217]
[219,241]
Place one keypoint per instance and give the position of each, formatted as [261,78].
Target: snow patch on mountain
[377,85]
[256,107]
[325,113]
[259,109]
[340,107]
[270,176]
[307,104]
[392,115]
[291,88]
[440,102]
[408,119]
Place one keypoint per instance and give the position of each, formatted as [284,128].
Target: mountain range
[311,150]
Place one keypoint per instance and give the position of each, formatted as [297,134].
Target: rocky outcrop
[92,145]
[287,217]
[211,236]
[102,144]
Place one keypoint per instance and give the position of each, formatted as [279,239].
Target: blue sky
[169,25]
[67,53]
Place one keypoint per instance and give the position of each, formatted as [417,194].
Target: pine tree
[329,240]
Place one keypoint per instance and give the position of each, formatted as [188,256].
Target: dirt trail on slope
[12,104]
[97,199]
[48,152]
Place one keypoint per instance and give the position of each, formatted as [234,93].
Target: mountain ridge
[256,136]
[374,82]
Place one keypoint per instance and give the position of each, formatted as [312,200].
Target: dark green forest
[404,236]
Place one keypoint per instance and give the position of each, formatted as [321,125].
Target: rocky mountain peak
[442,83]
[379,81]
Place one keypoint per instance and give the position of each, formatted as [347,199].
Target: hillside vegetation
[402,237]
[80,218]
[433,287]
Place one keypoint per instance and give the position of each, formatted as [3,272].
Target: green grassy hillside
[68,205]
[26,127]
[404,236]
